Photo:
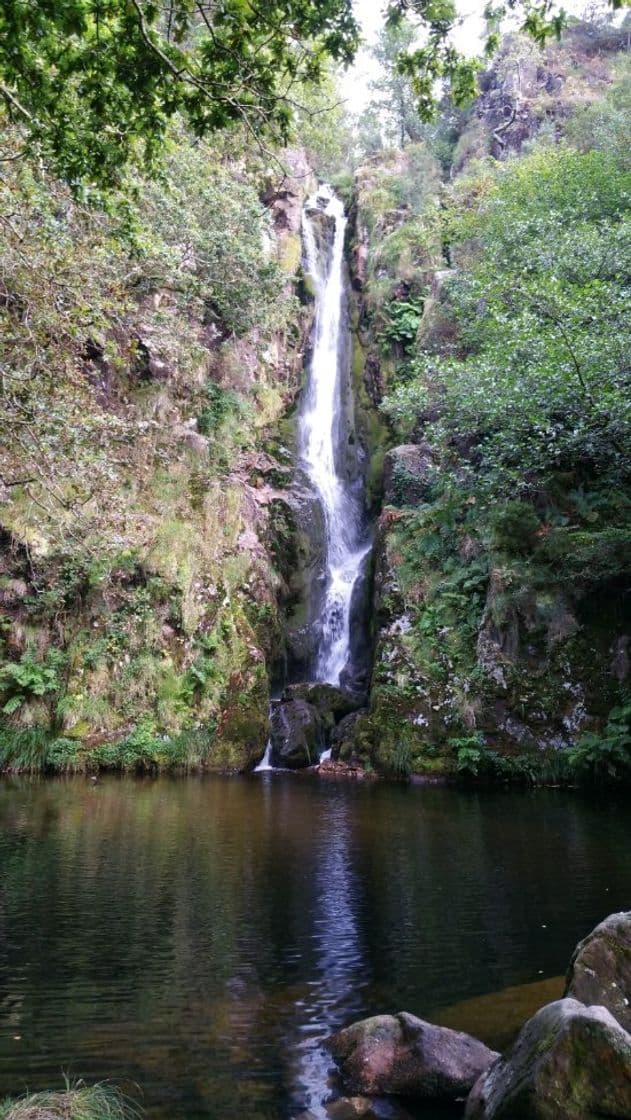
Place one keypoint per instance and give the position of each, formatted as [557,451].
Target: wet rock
[403,1055]
[407,471]
[331,702]
[359,261]
[299,549]
[600,970]
[620,663]
[296,733]
[285,201]
[569,1062]
[332,768]
[343,734]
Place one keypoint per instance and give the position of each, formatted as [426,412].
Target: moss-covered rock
[600,969]
[569,1062]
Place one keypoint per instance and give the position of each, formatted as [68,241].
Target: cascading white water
[320,432]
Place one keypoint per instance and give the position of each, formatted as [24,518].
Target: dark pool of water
[198,937]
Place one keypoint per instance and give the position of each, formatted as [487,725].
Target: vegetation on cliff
[502,558]
[153,343]
[147,351]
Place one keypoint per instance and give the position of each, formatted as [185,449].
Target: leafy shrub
[605,757]
[22,680]
[514,525]
[474,760]
[471,755]
[221,403]
[403,320]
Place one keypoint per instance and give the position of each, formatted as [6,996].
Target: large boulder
[407,473]
[600,970]
[331,702]
[297,733]
[569,1062]
[403,1055]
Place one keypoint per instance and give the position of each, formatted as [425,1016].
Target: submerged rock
[569,1062]
[403,1055]
[600,970]
[351,1108]
[332,768]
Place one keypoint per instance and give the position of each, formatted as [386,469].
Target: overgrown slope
[148,351]
[496,324]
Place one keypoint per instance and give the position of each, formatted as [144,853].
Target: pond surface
[198,937]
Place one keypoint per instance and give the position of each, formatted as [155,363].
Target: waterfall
[329,468]
[322,434]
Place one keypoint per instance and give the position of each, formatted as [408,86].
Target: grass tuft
[75,1102]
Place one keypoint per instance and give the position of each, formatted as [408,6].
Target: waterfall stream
[327,452]
[322,434]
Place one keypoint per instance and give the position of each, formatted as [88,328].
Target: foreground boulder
[403,1055]
[600,970]
[569,1062]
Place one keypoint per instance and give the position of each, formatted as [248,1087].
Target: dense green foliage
[87,297]
[543,385]
[93,84]
[501,323]
[147,348]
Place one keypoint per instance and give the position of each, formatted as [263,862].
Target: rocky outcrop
[407,474]
[304,720]
[600,970]
[332,703]
[297,734]
[403,1055]
[569,1062]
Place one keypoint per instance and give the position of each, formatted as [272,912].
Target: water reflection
[340,975]
[200,937]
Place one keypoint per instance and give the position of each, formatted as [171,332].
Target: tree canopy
[93,83]
[436,58]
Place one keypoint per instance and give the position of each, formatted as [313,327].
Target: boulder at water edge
[600,970]
[569,1062]
[296,733]
[400,1054]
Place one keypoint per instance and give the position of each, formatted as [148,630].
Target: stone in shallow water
[569,1062]
[366,1108]
[403,1055]
[600,970]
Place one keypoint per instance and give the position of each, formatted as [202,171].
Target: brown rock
[403,1055]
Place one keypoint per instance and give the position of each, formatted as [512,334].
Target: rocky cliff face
[141,628]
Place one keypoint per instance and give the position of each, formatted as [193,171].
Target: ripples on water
[200,937]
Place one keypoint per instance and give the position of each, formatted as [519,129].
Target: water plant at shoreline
[77,1101]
